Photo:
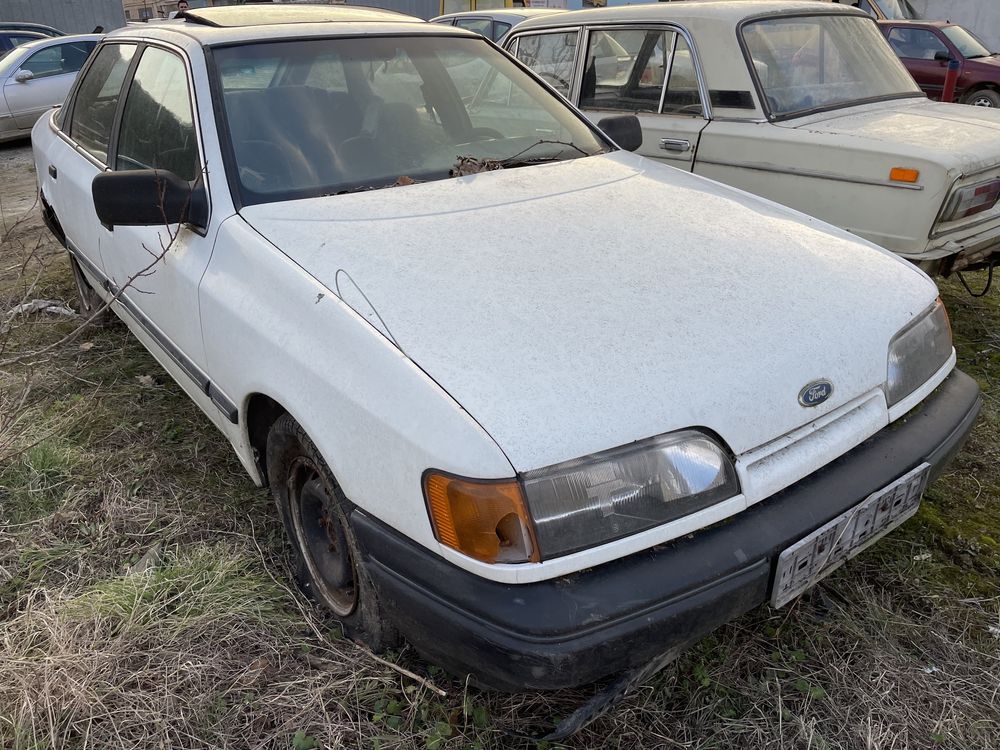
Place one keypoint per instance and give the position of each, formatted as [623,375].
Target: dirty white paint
[509,320]
[834,165]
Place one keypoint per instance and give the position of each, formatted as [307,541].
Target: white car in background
[36,76]
[504,379]
[799,101]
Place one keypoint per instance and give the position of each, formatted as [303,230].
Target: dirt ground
[145,598]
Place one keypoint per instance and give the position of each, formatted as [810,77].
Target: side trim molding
[222,402]
[811,173]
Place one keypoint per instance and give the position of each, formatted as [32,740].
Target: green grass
[204,643]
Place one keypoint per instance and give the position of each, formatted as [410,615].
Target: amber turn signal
[900,174]
[484,519]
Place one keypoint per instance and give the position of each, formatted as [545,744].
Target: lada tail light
[972,200]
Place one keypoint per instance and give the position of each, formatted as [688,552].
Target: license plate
[813,558]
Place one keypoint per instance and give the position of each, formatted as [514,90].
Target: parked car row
[539,405]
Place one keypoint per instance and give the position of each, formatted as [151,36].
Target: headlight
[593,500]
[972,200]
[917,352]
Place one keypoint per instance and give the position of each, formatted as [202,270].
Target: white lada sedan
[504,378]
[797,101]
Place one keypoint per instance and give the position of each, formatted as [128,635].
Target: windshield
[823,62]
[327,116]
[967,43]
[898,10]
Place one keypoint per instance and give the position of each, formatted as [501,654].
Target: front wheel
[316,515]
[983,98]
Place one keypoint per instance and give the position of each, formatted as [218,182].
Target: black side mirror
[148,197]
[942,56]
[623,130]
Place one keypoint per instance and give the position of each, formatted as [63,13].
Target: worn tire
[316,515]
[982,98]
[90,300]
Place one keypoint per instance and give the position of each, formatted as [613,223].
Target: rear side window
[551,56]
[157,130]
[97,99]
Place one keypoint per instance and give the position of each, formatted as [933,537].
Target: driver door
[649,72]
[924,55]
[160,267]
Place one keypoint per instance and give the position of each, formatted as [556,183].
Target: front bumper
[579,628]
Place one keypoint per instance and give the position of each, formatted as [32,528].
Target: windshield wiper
[465,165]
[539,142]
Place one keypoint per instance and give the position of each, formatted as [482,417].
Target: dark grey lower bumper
[582,627]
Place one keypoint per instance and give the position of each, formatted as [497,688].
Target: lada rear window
[327,116]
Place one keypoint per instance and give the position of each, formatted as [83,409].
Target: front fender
[378,420]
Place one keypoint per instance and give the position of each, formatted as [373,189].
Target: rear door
[919,49]
[80,152]
[53,70]
[648,71]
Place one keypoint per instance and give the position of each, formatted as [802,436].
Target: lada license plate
[813,558]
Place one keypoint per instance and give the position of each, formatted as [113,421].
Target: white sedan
[504,379]
[797,101]
[37,76]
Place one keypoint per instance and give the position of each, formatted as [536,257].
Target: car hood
[956,136]
[578,306]
[991,63]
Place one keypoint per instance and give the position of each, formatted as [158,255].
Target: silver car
[37,76]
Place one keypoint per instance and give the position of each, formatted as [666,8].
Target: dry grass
[144,600]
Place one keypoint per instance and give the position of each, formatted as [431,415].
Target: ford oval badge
[815,393]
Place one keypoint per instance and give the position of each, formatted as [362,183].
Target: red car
[925,47]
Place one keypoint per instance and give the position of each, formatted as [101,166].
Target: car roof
[718,10]
[210,27]
[24,32]
[184,33]
[38,28]
[914,22]
[502,13]
[230,16]
[52,41]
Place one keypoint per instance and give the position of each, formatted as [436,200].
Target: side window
[327,72]
[551,56]
[16,40]
[157,130]
[58,59]
[97,98]
[478,25]
[917,44]
[250,74]
[634,69]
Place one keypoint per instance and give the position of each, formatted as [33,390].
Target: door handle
[53,171]
[675,144]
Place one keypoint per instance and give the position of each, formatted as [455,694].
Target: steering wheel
[555,80]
